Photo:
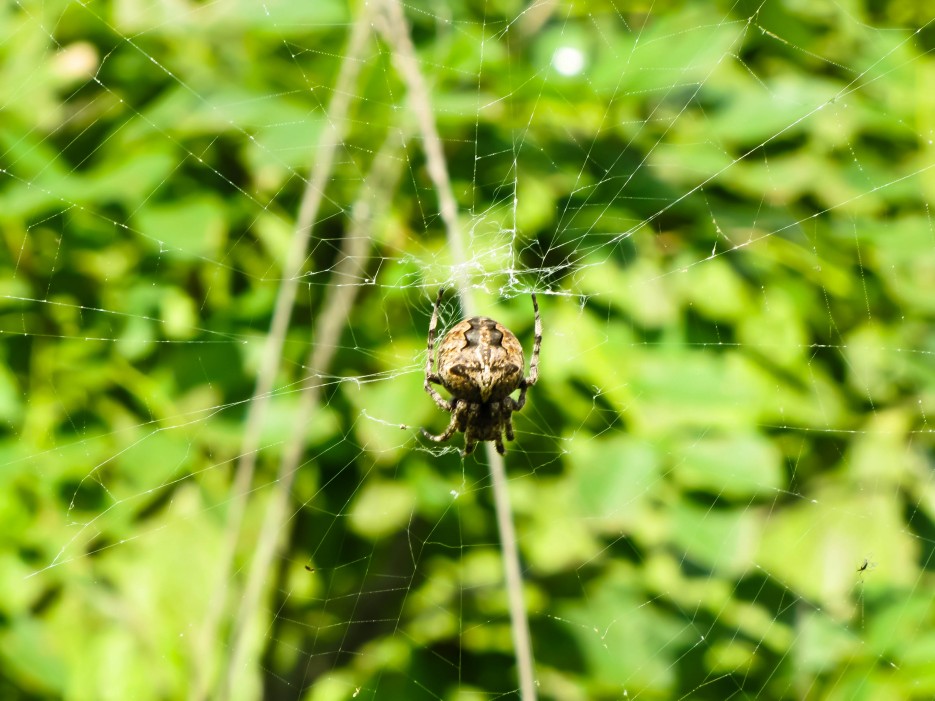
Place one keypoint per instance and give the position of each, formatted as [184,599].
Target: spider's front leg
[430,376]
[433,393]
[533,376]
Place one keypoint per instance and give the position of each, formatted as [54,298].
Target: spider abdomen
[480,360]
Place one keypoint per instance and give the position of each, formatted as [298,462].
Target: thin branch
[394,28]
[336,307]
[332,136]
[519,622]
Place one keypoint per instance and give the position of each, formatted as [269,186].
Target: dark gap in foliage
[46,600]
[161,501]
[130,400]
[826,354]
[554,646]
[765,592]
[84,496]
[215,364]
[32,555]
[921,523]
[17,352]
[219,169]
[79,422]
[706,333]
[707,500]
[827,451]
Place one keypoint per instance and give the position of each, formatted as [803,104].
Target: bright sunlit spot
[568,60]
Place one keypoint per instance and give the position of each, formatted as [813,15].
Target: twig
[519,623]
[338,302]
[332,136]
[396,32]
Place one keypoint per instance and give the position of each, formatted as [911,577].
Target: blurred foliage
[723,483]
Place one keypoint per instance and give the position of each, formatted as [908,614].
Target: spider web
[722,482]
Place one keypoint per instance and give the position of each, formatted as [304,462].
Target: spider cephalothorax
[480,363]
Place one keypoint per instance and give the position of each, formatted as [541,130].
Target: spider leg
[470,439]
[498,442]
[433,324]
[508,426]
[430,376]
[519,403]
[439,399]
[441,437]
[453,425]
[533,376]
[537,344]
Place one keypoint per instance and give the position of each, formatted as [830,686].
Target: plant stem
[336,307]
[395,30]
[332,136]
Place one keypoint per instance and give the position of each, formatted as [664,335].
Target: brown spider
[480,363]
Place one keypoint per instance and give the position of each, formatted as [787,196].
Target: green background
[727,219]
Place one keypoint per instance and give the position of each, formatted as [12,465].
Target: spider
[480,363]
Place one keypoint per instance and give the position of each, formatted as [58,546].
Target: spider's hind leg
[453,425]
[441,437]
[508,427]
